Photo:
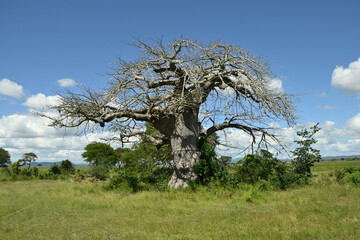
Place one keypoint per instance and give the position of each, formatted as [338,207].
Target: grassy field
[70,210]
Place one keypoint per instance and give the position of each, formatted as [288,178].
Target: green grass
[327,167]
[70,210]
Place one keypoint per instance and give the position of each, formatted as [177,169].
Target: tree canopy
[27,158]
[4,158]
[97,153]
[177,88]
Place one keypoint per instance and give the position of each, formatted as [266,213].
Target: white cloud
[347,79]
[26,126]
[332,140]
[66,82]
[21,133]
[353,126]
[276,85]
[40,101]
[11,89]
[233,142]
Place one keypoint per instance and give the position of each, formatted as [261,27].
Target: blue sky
[305,42]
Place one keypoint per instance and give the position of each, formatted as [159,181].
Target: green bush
[5,174]
[55,169]
[25,172]
[15,168]
[34,171]
[100,172]
[158,177]
[208,168]
[354,179]
[125,179]
[266,171]
[258,166]
[133,181]
[79,175]
[339,175]
[349,175]
[53,173]
[67,167]
[283,176]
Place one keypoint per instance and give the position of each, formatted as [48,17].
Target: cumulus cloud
[11,89]
[332,140]
[347,79]
[21,133]
[40,101]
[276,85]
[66,82]
[233,142]
[26,126]
[353,126]
[47,148]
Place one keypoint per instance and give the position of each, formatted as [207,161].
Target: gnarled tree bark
[184,142]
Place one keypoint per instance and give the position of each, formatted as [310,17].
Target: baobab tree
[179,87]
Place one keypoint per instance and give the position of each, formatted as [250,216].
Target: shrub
[100,172]
[34,171]
[55,169]
[5,174]
[67,167]
[208,168]
[354,179]
[158,177]
[133,181]
[266,171]
[257,166]
[283,176]
[348,175]
[25,172]
[125,179]
[15,168]
[5,171]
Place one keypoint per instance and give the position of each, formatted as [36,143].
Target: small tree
[27,158]
[305,155]
[4,158]
[97,153]
[67,167]
[257,166]
[55,169]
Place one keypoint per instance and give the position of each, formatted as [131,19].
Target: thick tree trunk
[184,143]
